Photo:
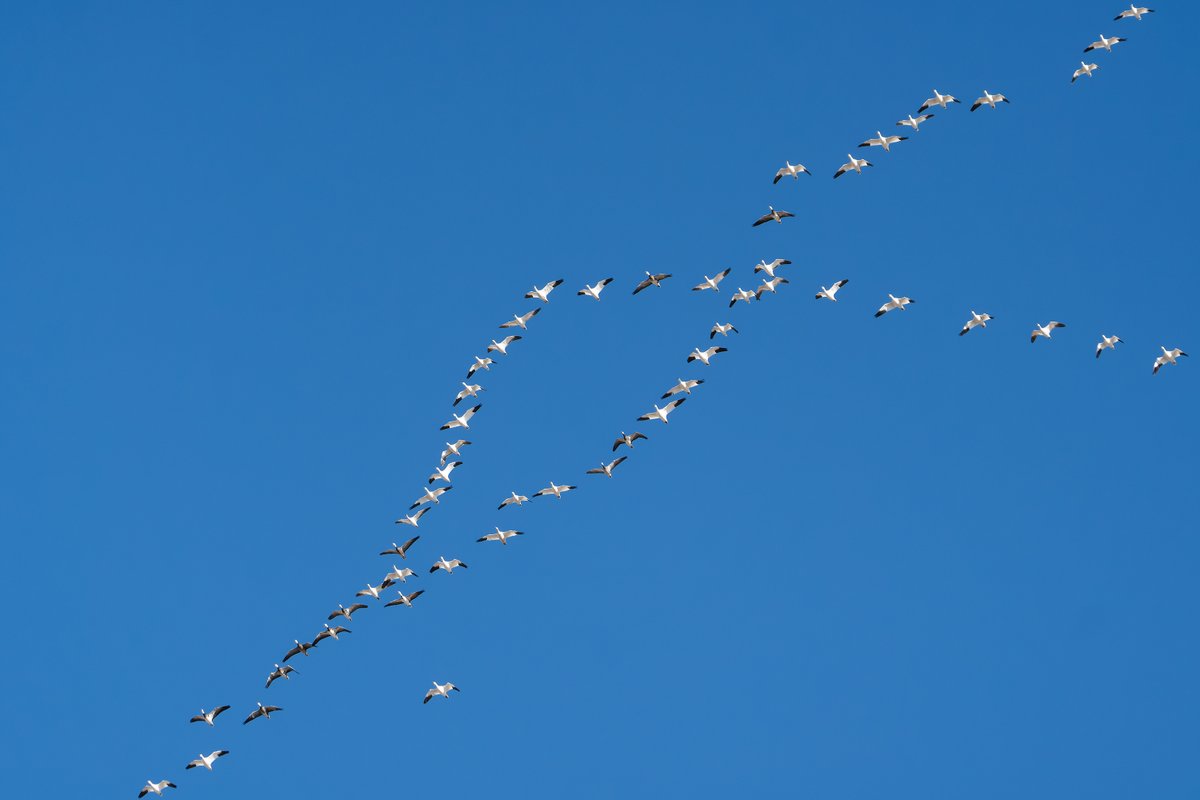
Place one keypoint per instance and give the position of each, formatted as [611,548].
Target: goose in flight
[398,550]
[704,356]
[157,788]
[463,421]
[403,599]
[607,469]
[976,321]
[763,266]
[885,142]
[628,439]
[401,574]
[448,566]
[768,286]
[331,633]
[1168,356]
[594,291]
[1135,12]
[1044,330]
[207,761]
[484,364]
[743,295]
[301,649]
[209,716]
[938,99]
[831,292]
[683,386]
[430,496]
[519,499]
[772,215]
[1103,43]
[522,321]
[915,122]
[543,293]
[500,536]
[554,489]
[989,99]
[893,303]
[443,473]
[1084,69]
[261,711]
[439,690]
[1107,343]
[791,169]
[712,283]
[722,329]
[280,672]
[372,591]
[453,449]
[414,519]
[855,164]
[468,390]
[342,611]
[655,279]
[501,346]
[661,414]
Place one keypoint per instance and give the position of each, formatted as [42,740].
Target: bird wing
[762,219]
[612,466]
[646,282]
[295,651]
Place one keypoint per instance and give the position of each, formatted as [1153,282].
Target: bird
[607,469]
[1103,43]
[703,356]
[722,329]
[791,169]
[412,519]
[448,566]
[543,293]
[831,292]
[443,473]
[1044,330]
[468,390]
[1107,343]
[763,266]
[401,549]
[855,164]
[651,280]
[711,283]
[401,574]
[661,414]
[594,291]
[885,142]
[373,591]
[157,788]
[463,421]
[430,496]
[452,449]
[683,386]
[1168,356]
[331,633]
[261,711]
[628,439]
[768,286]
[500,536]
[513,498]
[280,672]
[209,716]
[480,363]
[1084,69]
[915,122]
[989,99]
[554,489]
[440,690]
[301,649]
[772,214]
[501,346]
[743,295]
[206,761]
[1135,12]
[403,599]
[342,611]
[938,99]
[893,303]
[521,321]
[976,321]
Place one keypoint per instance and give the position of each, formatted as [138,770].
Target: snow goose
[468,390]
[484,364]
[501,346]
[854,164]
[1104,44]
[1133,11]
[1044,330]
[342,611]
[722,329]
[448,566]
[893,303]
[403,599]
[914,122]
[430,496]
[261,711]
[1168,356]
[743,295]
[280,672]
[885,142]
[594,291]
[401,574]
[331,633]
[543,293]
[522,321]
[207,761]
[989,99]
[500,536]
[463,421]
[1107,343]
[651,279]
[628,439]
[440,690]
[415,519]
[976,321]
[1084,69]
[704,356]
[518,499]
[399,550]
[768,286]
[772,215]
[938,99]
[790,169]
[156,788]
[554,489]
[683,386]
[301,649]
[209,716]
[661,414]
[373,591]
[443,473]
[711,283]
[831,292]
[607,469]
[763,266]
[453,449]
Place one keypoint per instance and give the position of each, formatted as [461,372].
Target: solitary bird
[156,788]
[1044,330]
[399,550]
[443,473]
[768,286]
[594,291]
[522,321]
[831,292]
[501,346]
[209,716]
[628,439]
[1107,343]
[742,295]
[500,536]
[401,574]
[938,99]
[440,690]
[683,386]
[606,469]
[403,599]
[914,122]
[711,283]
[763,266]
[373,591]
[661,414]
[280,672]
[989,99]
[893,303]
[855,164]
[430,496]
[721,328]
[448,566]
[452,449]
[976,321]
[468,390]
[301,649]
[1133,11]
[554,489]
[518,499]
[484,364]
[885,142]
[772,214]
[543,293]
[463,421]
[704,356]
[348,613]
[207,761]
[1168,356]
[791,169]
[261,711]
[1084,69]
[1103,43]
[651,279]
[331,633]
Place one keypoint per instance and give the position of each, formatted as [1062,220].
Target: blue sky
[248,254]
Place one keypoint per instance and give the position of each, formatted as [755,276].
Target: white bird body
[772,215]
[790,169]
[400,549]
[976,321]
[209,716]
[522,321]
[484,364]
[1084,69]
[894,303]
[513,499]
[915,122]
[1104,43]
[372,591]
[279,672]
[468,390]
[651,279]
[156,788]
[330,633]
[207,761]
[463,420]
[1107,343]
[704,356]
[594,291]
[401,574]
[938,99]
[855,164]
[554,489]
[989,99]
[430,496]
[543,293]
[721,328]
[885,142]
[763,266]
[348,613]
[743,295]
[443,473]
[453,449]
[769,286]
[403,599]
[628,439]
[500,536]
[1133,11]
[448,566]
[661,414]
[501,346]
[683,386]
[1168,357]
[711,283]
[1044,330]
[606,469]
[830,293]
[261,711]
[440,690]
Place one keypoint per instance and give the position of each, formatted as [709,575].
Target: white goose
[594,291]
[855,164]
[607,469]
[522,321]
[790,169]
[207,761]
[484,364]
[500,536]
[399,549]
[914,122]
[453,449]
[704,356]
[430,496]
[209,716]
[1107,343]
[331,633]
[401,574]
[938,99]
[763,266]
[463,421]
[683,386]
[440,690]
[893,303]
[448,566]
[661,414]
[1133,11]
[415,519]
[280,672]
[742,295]
[468,390]
[403,599]
[1104,44]
[628,439]
[261,711]
[772,216]
[989,99]
[348,613]
[1084,69]
[721,328]
[769,286]
[156,788]
[885,142]
[1044,330]
[711,283]
[1168,357]
[543,293]
[976,321]
[830,293]
[371,591]
[443,473]
[651,279]
[513,499]
[554,489]
[501,346]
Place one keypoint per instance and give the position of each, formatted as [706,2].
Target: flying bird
[855,164]
[683,386]
[522,321]
[280,672]
[893,303]
[157,788]
[414,519]
[594,291]
[768,286]
[401,574]
[791,169]
[501,346]
[743,295]
[703,356]
[772,214]
[372,591]
[661,414]
[207,761]
[1107,343]
[448,566]
[763,266]
[452,449]
[519,499]
[722,329]
[399,550]
[463,421]
[628,439]
[1044,330]
[914,122]
[500,536]
[831,292]
[342,611]
[938,99]
[554,489]
[1168,356]
[651,280]
[209,716]
[443,473]
[607,469]
[331,633]
[1103,43]
[468,390]
[1084,69]
[711,283]
[976,321]
[543,293]
[430,496]
[480,363]
[989,99]
[261,711]
[440,690]
[403,599]
[301,649]
[885,142]
[1135,12]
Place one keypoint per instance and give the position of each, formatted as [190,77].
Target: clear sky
[249,250]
